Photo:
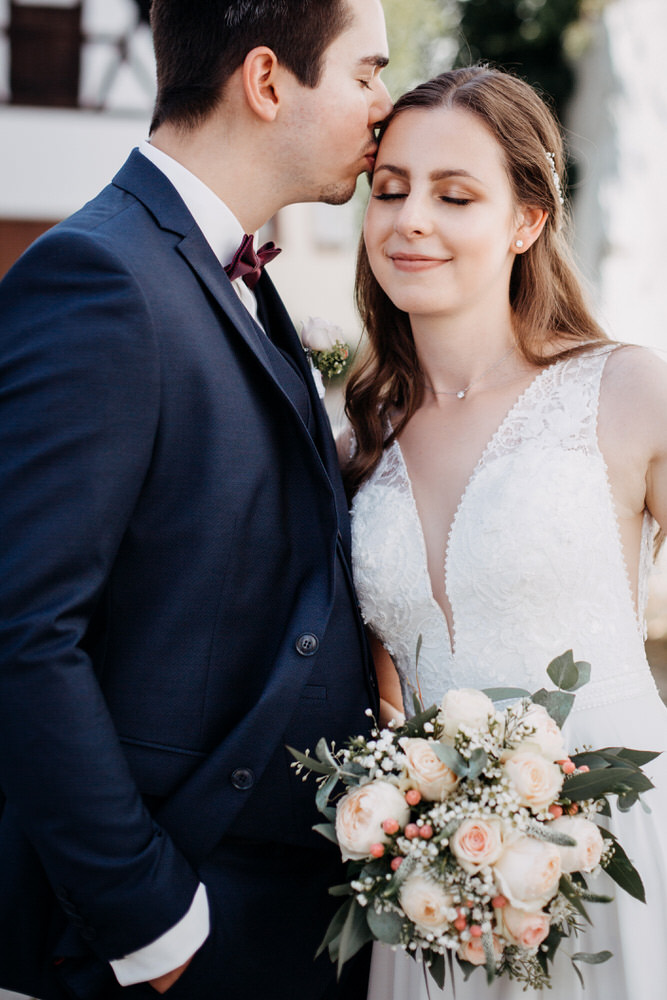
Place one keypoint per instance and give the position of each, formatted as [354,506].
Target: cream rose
[319,335]
[528,872]
[477,843]
[361,813]
[473,950]
[425,903]
[430,776]
[585,855]
[547,736]
[465,707]
[536,780]
[525,928]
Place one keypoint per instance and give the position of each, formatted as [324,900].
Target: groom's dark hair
[199,44]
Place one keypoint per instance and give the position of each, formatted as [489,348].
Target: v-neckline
[450,622]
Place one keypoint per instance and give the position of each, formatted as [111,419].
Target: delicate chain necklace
[461,393]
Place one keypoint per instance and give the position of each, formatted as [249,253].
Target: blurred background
[76,92]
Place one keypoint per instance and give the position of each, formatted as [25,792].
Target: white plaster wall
[619,133]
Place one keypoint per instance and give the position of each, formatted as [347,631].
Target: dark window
[45,55]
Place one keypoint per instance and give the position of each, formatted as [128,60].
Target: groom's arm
[78,411]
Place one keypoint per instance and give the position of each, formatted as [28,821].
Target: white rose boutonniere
[324,345]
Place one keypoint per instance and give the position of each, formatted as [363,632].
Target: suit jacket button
[307,644]
[243,779]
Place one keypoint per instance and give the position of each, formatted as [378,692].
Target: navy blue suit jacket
[170,528]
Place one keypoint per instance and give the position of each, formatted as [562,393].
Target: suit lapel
[142,179]
[276,319]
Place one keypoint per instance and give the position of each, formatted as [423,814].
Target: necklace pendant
[461,394]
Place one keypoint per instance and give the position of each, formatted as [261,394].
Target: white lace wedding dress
[534,566]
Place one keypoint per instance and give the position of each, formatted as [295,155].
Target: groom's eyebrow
[379,62]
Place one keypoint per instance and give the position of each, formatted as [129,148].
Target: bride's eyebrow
[435,175]
[390,168]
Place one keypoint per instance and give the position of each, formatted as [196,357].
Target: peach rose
[536,780]
[361,813]
[465,707]
[425,903]
[528,872]
[473,950]
[585,856]
[528,929]
[431,777]
[547,736]
[477,843]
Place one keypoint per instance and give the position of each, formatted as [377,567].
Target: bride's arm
[391,697]
[651,403]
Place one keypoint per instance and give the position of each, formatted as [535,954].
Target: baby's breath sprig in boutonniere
[324,345]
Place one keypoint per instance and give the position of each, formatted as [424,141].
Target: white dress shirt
[223,232]
[221,228]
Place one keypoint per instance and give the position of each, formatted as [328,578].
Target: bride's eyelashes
[396,196]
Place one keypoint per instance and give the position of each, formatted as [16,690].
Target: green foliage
[422,41]
[524,36]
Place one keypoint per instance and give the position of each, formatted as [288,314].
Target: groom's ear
[260,72]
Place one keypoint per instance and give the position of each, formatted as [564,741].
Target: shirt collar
[222,230]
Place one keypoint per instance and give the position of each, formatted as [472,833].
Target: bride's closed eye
[389,195]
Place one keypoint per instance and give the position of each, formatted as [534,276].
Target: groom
[174,570]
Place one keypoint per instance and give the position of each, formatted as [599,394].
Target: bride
[508,468]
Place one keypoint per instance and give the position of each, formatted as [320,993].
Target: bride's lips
[416,262]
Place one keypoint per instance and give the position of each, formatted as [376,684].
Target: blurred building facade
[76,93]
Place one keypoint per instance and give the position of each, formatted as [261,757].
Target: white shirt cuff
[170,950]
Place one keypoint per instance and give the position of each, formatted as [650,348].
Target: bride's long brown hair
[545,293]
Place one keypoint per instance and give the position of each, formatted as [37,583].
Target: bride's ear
[530,223]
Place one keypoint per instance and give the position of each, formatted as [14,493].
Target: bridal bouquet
[471,834]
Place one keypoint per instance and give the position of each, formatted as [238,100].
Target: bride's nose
[413,218]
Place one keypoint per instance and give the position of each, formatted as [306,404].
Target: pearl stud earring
[518,244]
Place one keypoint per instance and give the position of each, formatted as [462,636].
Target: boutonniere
[324,346]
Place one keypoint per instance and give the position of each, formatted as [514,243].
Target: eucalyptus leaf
[467,968]
[324,791]
[452,758]
[557,703]
[478,761]
[385,926]
[572,895]
[355,934]
[323,753]
[595,783]
[626,801]
[311,763]
[506,693]
[334,930]
[624,873]
[437,968]
[563,672]
[639,757]
[326,830]
[345,889]
[415,725]
[579,975]
[592,958]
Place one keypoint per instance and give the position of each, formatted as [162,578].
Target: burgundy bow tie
[247,264]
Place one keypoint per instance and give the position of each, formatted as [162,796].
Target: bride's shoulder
[634,389]
[635,372]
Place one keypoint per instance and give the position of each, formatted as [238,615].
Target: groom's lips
[370,158]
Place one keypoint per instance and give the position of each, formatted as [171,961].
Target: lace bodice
[534,562]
